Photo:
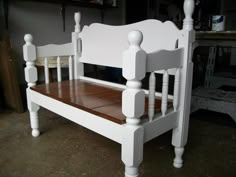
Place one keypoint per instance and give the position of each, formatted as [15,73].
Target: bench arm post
[134,70]
[29,51]
[133,103]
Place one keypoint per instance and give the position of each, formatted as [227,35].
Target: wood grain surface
[96,99]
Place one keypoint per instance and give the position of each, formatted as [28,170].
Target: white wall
[44,22]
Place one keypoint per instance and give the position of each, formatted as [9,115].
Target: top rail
[164,59]
[55,50]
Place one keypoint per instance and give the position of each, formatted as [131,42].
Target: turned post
[78,67]
[31,76]
[180,133]
[188,11]
[29,50]
[134,70]
[133,101]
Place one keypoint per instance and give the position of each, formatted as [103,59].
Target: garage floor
[67,150]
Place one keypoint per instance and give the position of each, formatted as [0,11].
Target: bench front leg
[132,149]
[31,76]
[133,103]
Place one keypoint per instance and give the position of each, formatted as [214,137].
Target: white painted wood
[151,99]
[134,69]
[77,18]
[133,103]
[178,161]
[165,59]
[164,100]
[134,59]
[180,134]
[33,110]
[99,48]
[99,125]
[78,66]
[132,149]
[159,125]
[188,11]
[171,71]
[176,89]
[34,123]
[58,69]
[31,77]
[29,51]
[55,50]
[98,38]
[70,68]
[46,70]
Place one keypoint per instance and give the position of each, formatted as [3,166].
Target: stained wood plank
[8,77]
[96,99]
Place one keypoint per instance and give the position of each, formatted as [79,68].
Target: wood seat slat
[96,99]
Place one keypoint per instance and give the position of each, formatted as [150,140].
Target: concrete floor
[67,150]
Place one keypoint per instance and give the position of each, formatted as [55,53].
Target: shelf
[82,3]
[104,4]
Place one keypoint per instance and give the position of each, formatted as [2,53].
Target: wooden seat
[94,98]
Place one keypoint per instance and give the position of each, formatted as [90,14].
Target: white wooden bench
[126,114]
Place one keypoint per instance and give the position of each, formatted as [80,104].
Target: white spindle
[151,100]
[58,69]
[46,71]
[176,89]
[164,92]
[70,68]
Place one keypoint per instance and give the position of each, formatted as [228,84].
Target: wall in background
[44,22]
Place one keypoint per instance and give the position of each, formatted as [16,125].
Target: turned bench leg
[179,140]
[132,150]
[34,122]
[33,112]
[178,161]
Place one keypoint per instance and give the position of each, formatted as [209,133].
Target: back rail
[165,59]
[51,50]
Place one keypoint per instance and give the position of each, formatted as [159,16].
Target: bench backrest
[104,44]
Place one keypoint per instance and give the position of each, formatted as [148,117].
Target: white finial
[188,11]
[28,38]
[135,38]
[77,18]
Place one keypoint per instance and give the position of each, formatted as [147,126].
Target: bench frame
[136,62]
